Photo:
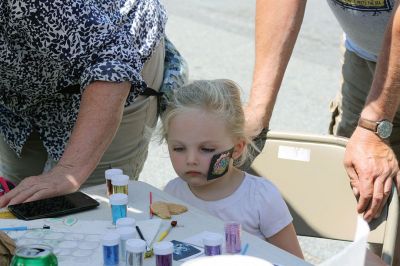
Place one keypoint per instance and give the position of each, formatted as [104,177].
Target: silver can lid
[212,239]
[118,199]
[126,232]
[119,180]
[163,248]
[110,239]
[125,221]
[113,171]
[135,245]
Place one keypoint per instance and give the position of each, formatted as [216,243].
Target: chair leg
[396,256]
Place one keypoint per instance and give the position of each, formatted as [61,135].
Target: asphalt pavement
[217,39]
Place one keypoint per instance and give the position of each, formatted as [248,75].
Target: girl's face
[193,138]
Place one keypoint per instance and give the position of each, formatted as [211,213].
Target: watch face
[384,129]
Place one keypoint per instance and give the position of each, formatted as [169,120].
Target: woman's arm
[99,116]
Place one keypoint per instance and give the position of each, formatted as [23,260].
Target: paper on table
[354,254]
[63,232]
[149,228]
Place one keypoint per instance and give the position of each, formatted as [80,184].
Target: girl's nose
[191,158]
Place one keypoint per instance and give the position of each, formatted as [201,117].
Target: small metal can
[34,255]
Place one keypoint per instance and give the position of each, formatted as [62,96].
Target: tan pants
[357,75]
[127,151]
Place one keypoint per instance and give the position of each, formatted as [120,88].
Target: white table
[194,221]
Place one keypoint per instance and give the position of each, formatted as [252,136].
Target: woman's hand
[58,181]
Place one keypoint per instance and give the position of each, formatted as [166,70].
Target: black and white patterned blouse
[49,45]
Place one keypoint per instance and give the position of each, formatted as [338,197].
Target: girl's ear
[238,148]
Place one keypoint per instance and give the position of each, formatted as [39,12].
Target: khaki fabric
[357,76]
[128,149]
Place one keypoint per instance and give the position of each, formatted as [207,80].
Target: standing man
[368,101]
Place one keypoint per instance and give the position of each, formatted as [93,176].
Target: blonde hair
[219,96]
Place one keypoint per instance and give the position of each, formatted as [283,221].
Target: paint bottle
[120,183]
[108,174]
[126,222]
[110,243]
[118,202]
[212,244]
[163,251]
[232,237]
[125,233]
[135,249]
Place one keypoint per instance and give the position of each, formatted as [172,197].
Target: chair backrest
[309,172]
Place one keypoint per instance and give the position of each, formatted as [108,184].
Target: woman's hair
[220,97]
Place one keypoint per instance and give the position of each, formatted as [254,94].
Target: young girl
[204,129]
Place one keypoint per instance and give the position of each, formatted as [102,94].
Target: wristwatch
[381,128]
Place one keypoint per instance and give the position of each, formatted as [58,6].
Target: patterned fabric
[176,74]
[47,46]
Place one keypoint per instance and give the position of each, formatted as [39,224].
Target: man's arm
[99,116]
[277,26]
[369,160]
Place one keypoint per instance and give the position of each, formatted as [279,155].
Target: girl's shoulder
[262,189]
[259,183]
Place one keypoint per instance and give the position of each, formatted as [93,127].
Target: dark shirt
[47,46]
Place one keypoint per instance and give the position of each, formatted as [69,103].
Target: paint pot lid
[125,221]
[212,239]
[113,171]
[119,180]
[163,248]
[135,245]
[126,232]
[118,199]
[110,239]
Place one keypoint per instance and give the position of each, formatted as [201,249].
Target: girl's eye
[178,149]
[207,150]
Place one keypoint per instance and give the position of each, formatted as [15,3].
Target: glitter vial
[118,202]
[135,249]
[110,243]
[232,237]
[125,233]
[212,244]
[120,184]
[108,174]
[125,222]
[163,251]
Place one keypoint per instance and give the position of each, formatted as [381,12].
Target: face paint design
[219,164]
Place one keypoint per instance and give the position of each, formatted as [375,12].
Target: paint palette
[68,247]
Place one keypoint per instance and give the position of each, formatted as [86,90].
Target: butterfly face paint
[219,164]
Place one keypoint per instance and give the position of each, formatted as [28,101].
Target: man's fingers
[367,191]
[354,182]
[387,190]
[376,201]
[397,182]
[380,196]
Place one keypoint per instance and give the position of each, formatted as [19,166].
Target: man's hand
[254,121]
[54,183]
[371,166]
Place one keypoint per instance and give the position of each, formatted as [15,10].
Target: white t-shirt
[256,204]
